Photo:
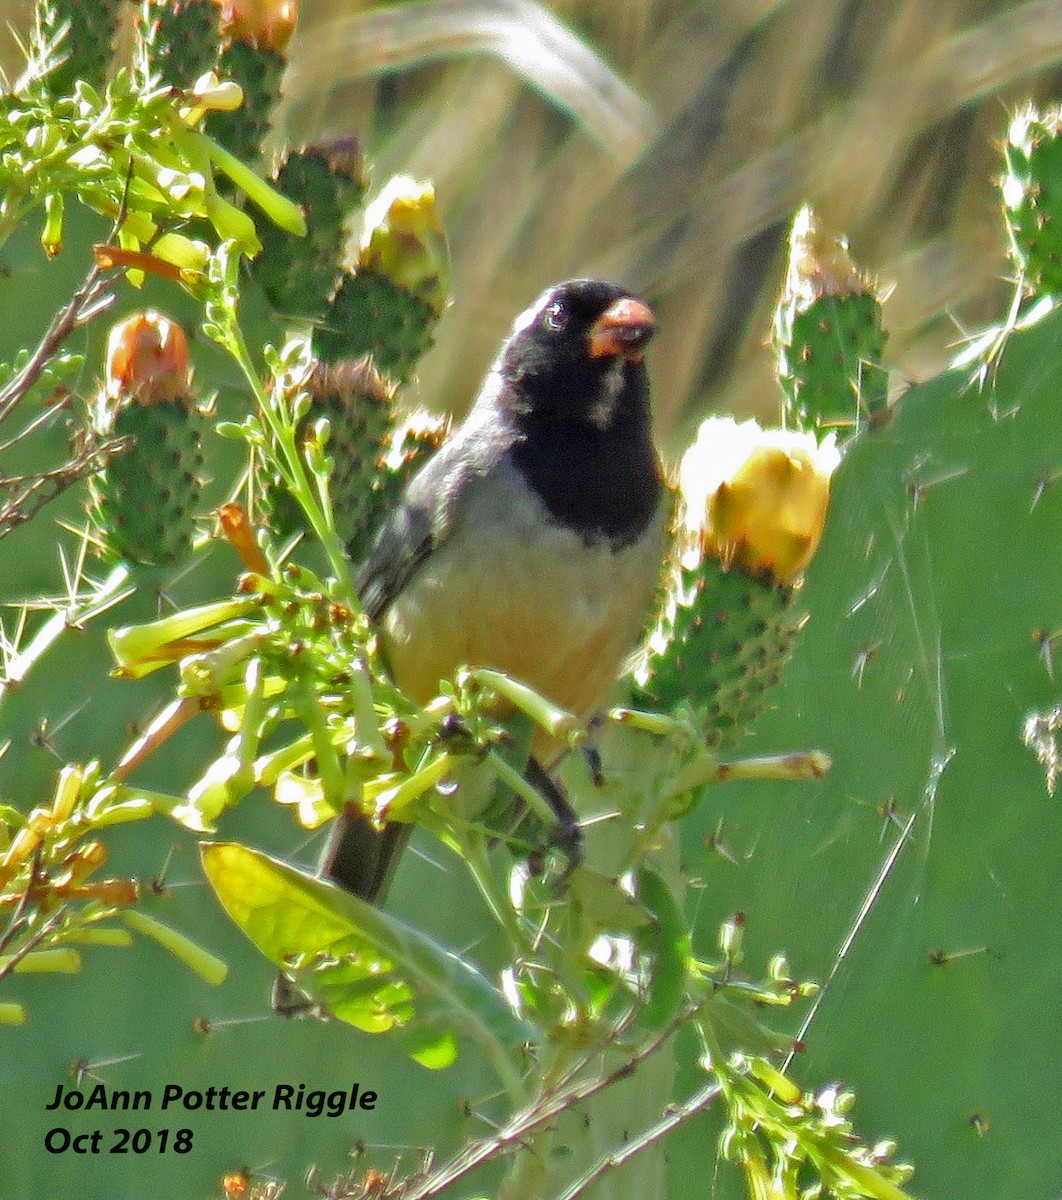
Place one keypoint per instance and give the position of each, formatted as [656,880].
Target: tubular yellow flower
[756,498]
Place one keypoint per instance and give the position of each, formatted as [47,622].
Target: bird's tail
[362,859]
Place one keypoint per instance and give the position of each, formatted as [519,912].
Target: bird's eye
[555,316]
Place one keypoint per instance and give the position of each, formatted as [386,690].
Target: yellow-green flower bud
[403,239]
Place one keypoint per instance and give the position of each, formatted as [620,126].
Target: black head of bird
[575,357]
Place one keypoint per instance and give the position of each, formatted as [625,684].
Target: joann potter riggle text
[290,1097]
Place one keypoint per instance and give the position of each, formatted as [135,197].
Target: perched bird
[532,541]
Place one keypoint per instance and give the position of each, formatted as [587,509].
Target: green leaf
[666,939]
[604,903]
[365,966]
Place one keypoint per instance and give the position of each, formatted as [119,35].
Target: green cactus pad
[342,181]
[371,315]
[144,500]
[87,47]
[181,37]
[1032,198]
[258,72]
[828,334]
[720,646]
[298,274]
[830,366]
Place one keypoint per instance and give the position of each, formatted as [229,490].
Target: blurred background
[667,143]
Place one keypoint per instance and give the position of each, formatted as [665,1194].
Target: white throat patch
[603,411]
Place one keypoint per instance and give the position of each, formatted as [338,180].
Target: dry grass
[884,114]
[668,142]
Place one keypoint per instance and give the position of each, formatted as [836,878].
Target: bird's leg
[566,836]
[591,754]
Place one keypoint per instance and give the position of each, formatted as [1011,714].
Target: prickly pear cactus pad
[253,54]
[920,883]
[390,304]
[85,39]
[299,274]
[1032,197]
[182,37]
[146,495]
[828,333]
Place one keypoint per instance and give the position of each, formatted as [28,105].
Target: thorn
[1045,643]
[941,958]
[979,1122]
[1044,480]
[864,655]
[714,841]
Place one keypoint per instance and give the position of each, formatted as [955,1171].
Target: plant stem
[677,1115]
[323,529]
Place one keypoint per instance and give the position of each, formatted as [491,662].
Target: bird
[531,542]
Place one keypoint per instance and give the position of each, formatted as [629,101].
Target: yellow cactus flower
[403,239]
[756,498]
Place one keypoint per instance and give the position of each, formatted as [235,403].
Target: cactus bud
[265,24]
[147,359]
[756,499]
[404,241]
[143,500]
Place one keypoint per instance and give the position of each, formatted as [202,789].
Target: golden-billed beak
[622,330]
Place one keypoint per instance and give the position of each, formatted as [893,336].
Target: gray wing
[404,541]
[424,517]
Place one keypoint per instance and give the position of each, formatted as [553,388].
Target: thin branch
[18,916]
[46,418]
[676,1116]
[86,302]
[33,942]
[33,492]
[18,920]
[511,1136]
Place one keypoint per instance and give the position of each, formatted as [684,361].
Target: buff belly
[509,589]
